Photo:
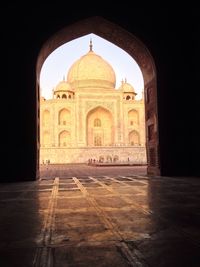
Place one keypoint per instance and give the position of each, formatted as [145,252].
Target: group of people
[47,161]
[90,161]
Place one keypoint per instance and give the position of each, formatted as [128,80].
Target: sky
[57,64]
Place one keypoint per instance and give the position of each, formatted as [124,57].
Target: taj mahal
[88,118]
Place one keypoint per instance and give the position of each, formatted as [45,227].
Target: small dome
[91,70]
[126,87]
[63,86]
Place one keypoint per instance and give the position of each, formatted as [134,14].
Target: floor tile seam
[134,180]
[60,210]
[48,222]
[112,226]
[124,198]
[100,212]
[43,256]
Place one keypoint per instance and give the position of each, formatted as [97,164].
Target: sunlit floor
[101,220]
[69,170]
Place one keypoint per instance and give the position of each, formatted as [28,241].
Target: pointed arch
[64,96]
[64,117]
[133,117]
[99,125]
[135,48]
[64,138]
[134,138]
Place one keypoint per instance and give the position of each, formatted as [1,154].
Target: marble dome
[91,70]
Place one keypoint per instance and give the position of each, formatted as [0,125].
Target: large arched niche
[104,126]
[135,48]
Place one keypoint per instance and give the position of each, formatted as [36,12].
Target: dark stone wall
[172,39]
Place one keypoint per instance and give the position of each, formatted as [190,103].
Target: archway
[64,117]
[134,48]
[134,138]
[99,127]
[64,138]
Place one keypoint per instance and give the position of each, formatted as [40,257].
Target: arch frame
[60,112]
[91,112]
[134,132]
[61,133]
[136,49]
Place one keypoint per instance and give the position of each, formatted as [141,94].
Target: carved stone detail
[89,105]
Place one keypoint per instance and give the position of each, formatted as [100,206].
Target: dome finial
[90,44]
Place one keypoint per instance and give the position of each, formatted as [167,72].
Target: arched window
[128,97]
[133,117]
[97,123]
[109,159]
[134,138]
[58,96]
[116,158]
[101,159]
[64,96]
[64,117]
[64,138]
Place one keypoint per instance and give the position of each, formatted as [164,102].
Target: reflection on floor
[130,220]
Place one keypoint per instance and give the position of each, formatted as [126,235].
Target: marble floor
[101,220]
